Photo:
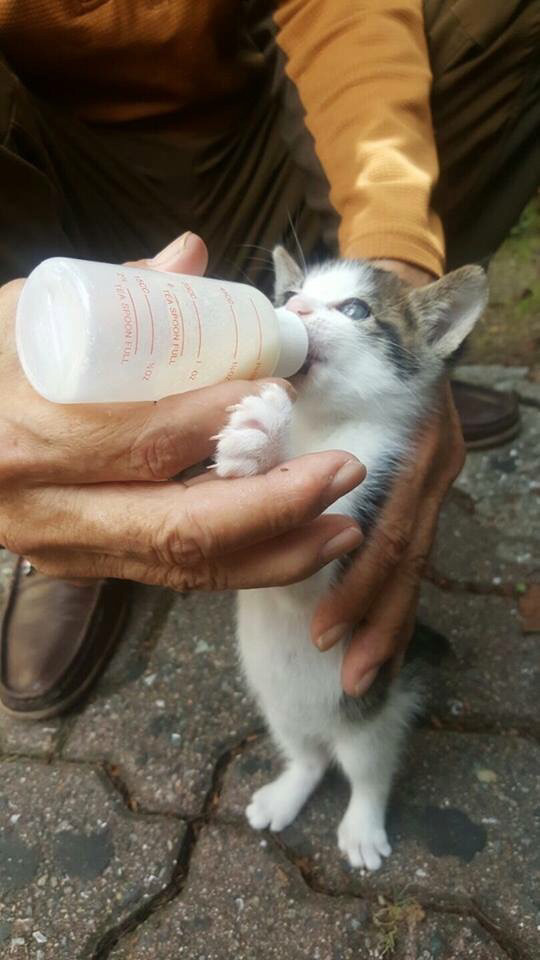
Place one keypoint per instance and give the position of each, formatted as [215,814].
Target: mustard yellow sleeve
[362,71]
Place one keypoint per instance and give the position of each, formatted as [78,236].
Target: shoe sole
[495,440]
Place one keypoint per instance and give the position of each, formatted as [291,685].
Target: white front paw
[255,438]
[363,845]
[272,806]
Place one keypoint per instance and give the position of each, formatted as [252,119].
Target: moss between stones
[510,331]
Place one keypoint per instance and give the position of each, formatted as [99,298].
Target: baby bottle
[99,333]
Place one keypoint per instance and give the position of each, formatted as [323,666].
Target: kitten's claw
[255,438]
[363,847]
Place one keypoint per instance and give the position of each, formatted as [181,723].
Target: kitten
[377,349]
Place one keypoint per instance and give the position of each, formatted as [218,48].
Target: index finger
[176,525]
[121,442]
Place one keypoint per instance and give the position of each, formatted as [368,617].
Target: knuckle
[207,577]
[186,546]
[154,455]
[393,542]
[413,569]
[175,550]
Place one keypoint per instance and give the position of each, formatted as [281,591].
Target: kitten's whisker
[256,246]
[297,241]
[261,260]
[238,269]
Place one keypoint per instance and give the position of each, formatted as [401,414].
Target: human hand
[83,489]
[377,597]
[416,276]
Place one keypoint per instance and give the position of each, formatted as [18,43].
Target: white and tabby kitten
[377,350]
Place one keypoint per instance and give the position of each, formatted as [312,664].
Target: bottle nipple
[294,343]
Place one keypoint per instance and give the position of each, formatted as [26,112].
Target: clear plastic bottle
[98,333]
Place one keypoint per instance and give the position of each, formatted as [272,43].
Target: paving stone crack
[512,950]
[302,865]
[487,728]
[109,940]
[64,732]
[478,587]
[462,907]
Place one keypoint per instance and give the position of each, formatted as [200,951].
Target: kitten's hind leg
[369,766]
[277,804]
[369,754]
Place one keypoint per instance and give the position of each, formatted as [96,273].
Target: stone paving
[122,832]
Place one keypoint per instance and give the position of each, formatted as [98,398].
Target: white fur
[256,434]
[352,399]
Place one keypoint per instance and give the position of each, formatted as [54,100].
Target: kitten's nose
[302,305]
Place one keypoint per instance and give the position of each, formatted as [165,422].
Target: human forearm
[362,71]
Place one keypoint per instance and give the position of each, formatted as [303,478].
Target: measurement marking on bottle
[234,365]
[151,317]
[230,302]
[199,330]
[236,332]
[136,319]
[257,366]
[193,297]
[145,290]
[177,331]
[181,315]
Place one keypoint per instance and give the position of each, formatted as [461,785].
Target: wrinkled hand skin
[86,491]
[378,596]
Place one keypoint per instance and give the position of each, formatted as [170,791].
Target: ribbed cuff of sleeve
[394,245]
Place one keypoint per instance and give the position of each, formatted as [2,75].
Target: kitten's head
[369,331]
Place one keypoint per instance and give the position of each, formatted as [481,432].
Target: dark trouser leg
[486,113]
[66,191]
[122,193]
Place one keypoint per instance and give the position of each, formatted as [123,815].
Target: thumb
[185,254]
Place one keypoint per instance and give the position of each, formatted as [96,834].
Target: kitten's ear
[447,310]
[288,275]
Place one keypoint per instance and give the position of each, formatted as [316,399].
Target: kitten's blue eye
[355,308]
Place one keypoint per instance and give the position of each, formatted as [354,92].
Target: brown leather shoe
[488,417]
[55,640]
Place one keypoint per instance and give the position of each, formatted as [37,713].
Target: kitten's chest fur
[376,438]
[277,620]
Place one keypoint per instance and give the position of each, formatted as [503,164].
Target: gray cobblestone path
[122,833]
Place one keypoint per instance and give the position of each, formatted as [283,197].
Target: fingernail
[347,477]
[171,251]
[342,543]
[363,685]
[332,636]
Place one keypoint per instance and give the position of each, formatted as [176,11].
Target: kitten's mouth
[314,356]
